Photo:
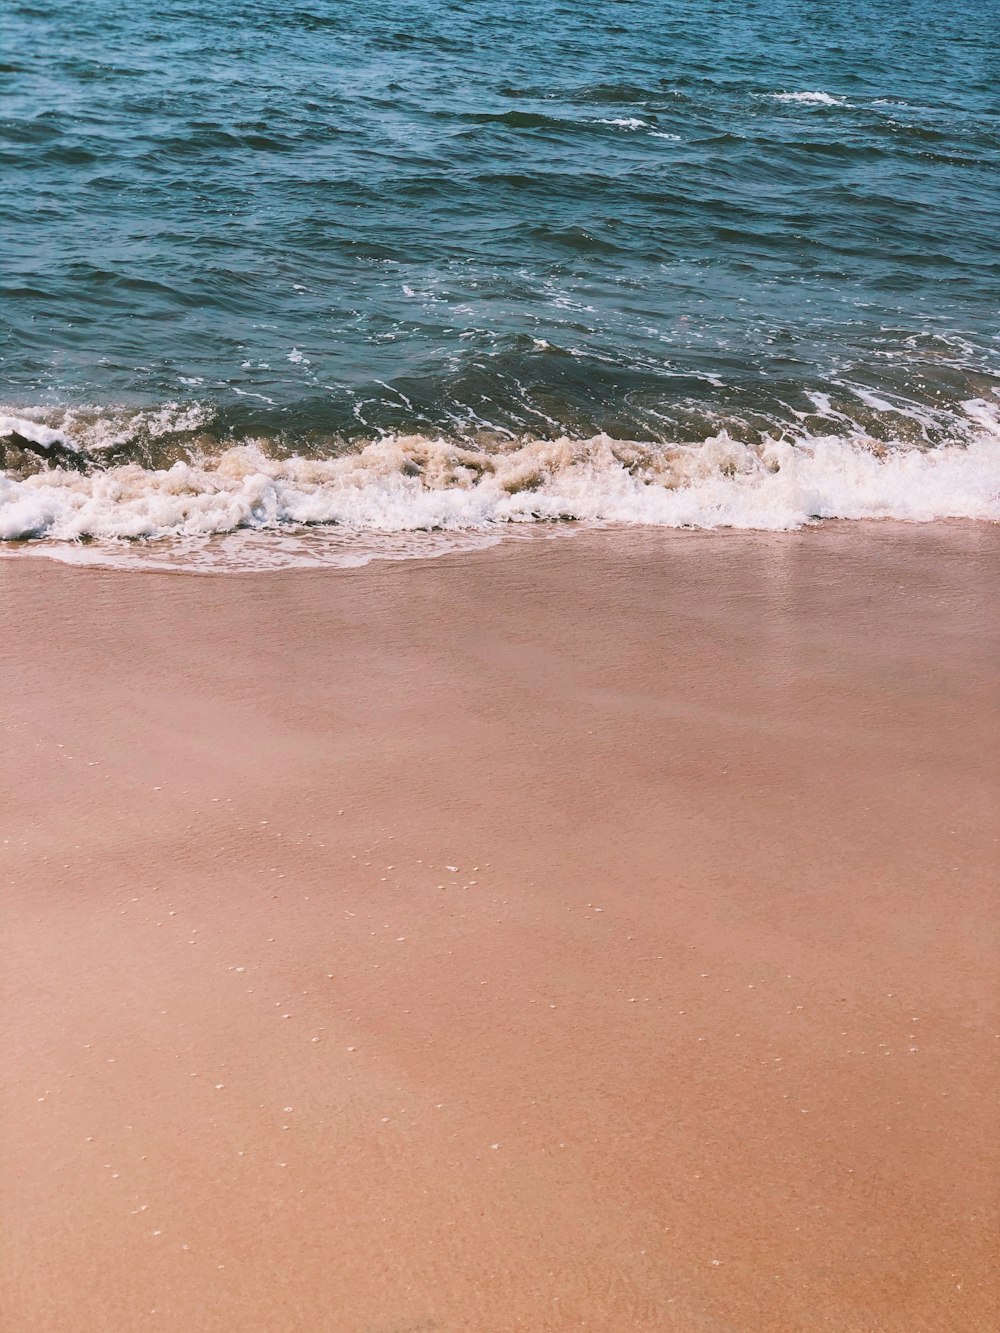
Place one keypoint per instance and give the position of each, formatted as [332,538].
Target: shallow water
[275,265]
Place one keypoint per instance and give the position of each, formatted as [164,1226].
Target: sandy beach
[596,932]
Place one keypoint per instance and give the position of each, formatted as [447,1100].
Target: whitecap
[624,122]
[810,99]
[414,490]
[34,431]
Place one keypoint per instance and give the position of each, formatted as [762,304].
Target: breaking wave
[377,495]
[810,99]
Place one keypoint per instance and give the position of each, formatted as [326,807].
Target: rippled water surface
[277,264]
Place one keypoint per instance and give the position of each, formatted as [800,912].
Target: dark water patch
[33,132]
[518,120]
[574,238]
[70,155]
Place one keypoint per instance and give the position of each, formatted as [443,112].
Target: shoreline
[616,916]
[352,552]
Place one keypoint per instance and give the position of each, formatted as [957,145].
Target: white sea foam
[414,485]
[810,99]
[624,122]
[34,431]
[94,432]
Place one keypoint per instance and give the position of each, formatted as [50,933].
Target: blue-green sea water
[440,265]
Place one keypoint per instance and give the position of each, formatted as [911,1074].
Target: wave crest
[417,484]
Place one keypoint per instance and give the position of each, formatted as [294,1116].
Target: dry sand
[590,933]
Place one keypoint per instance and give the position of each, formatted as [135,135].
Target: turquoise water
[295,230]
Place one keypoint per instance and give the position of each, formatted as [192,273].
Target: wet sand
[589,933]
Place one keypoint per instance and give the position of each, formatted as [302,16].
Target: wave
[809,99]
[623,122]
[418,484]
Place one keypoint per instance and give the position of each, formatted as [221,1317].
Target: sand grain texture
[699,1034]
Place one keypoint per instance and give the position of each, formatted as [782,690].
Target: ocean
[290,282]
